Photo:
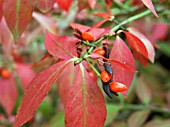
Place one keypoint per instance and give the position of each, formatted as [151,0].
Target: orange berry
[105,76]
[117,87]
[87,36]
[100,51]
[5,73]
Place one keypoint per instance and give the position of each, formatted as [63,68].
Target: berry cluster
[109,86]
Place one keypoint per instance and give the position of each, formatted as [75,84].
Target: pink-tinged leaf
[36,91]
[64,4]
[5,39]
[92,3]
[46,22]
[64,84]
[138,118]
[138,48]
[18,14]
[145,41]
[159,32]
[60,46]
[85,106]
[8,94]
[143,91]
[1,9]
[148,4]
[96,32]
[25,74]
[100,23]
[120,52]
[123,65]
[80,27]
[45,5]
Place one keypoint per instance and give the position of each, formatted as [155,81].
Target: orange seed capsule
[5,73]
[87,36]
[117,87]
[105,76]
[100,51]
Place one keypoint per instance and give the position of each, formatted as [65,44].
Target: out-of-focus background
[148,100]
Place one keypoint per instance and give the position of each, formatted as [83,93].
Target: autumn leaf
[36,91]
[8,93]
[148,4]
[138,48]
[46,22]
[85,104]
[120,52]
[45,5]
[18,14]
[25,74]
[145,41]
[64,84]
[60,46]
[64,4]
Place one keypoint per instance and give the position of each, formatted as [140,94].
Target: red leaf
[45,5]
[25,74]
[60,46]
[64,4]
[8,94]
[123,65]
[92,3]
[80,27]
[120,52]
[103,15]
[149,5]
[99,23]
[138,48]
[46,22]
[145,41]
[64,84]
[5,39]
[82,4]
[1,9]
[18,14]
[85,106]
[36,91]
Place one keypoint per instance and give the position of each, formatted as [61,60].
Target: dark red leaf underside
[138,48]
[65,81]
[8,94]
[25,74]
[36,91]
[18,14]
[145,41]
[92,3]
[45,5]
[149,5]
[64,4]
[1,9]
[60,46]
[85,106]
[120,52]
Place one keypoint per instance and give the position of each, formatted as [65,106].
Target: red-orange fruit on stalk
[87,36]
[5,73]
[100,51]
[117,87]
[105,76]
